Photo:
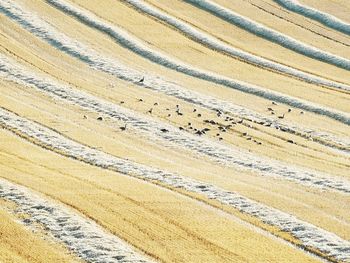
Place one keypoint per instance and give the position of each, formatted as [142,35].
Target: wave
[228,156]
[215,44]
[322,17]
[312,237]
[82,236]
[270,34]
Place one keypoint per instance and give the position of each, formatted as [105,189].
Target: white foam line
[270,34]
[312,13]
[310,235]
[215,44]
[84,237]
[229,156]
[135,45]
[40,28]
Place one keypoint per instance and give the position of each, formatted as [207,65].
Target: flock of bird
[218,127]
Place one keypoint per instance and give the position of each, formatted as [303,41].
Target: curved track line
[270,34]
[84,237]
[228,156]
[312,13]
[215,44]
[133,44]
[312,237]
[114,67]
[303,27]
[164,159]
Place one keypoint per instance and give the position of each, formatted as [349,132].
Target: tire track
[218,45]
[149,155]
[313,238]
[133,44]
[85,238]
[301,26]
[111,66]
[270,34]
[154,130]
[314,14]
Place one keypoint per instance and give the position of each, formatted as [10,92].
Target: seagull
[123,128]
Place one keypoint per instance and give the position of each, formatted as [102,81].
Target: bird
[241,121]
[181,129]
[194,110]
[169,115]
[269,109]
[141,80]
[100,119]
[155,104]
[198,132]
[199,115]
[290,141]
[150,110]
[245,134]
[281,117]
[220,138]
[122,102]
[301,112]
[164,130]
[274,103]
[85,117]
[140,100]
[289,110]
[189,124]
[123,128]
